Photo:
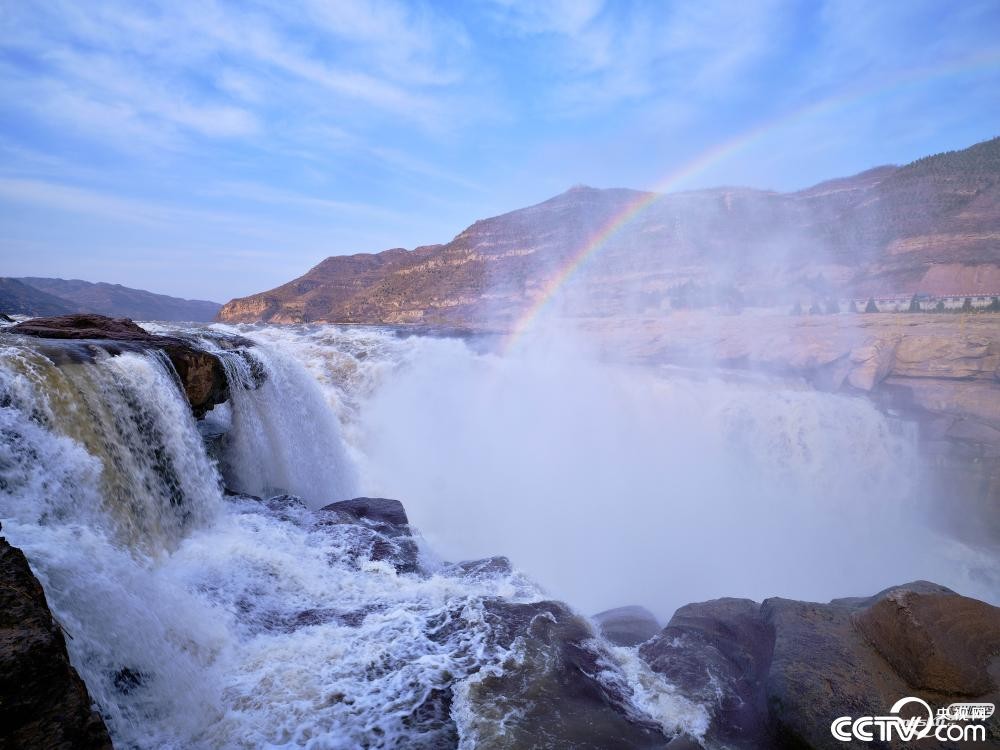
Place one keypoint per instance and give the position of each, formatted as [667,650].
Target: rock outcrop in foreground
[627,626]
[44,704]
[779,673]
[201,373]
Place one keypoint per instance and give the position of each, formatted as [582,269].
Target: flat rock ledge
[201,374]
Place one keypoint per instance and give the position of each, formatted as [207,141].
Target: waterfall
[281,437]
[104,438]
[103,477]
[200,620]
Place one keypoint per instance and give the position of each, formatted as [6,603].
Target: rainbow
[714,155]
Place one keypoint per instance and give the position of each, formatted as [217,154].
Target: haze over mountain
[48,296]
[931,226]
[17,298]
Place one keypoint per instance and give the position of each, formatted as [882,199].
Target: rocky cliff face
[43,701]
[932,226]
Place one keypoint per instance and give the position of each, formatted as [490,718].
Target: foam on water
[599,478]
[239,623]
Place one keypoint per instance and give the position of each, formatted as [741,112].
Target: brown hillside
[931,226]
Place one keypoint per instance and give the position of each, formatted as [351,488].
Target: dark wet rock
[684,742]
[285,622]
[236,495]
[718,652]
[934,639]
[290,508]
[432,719]
[383,530]
[43,701]
[555,690]
[287,508]
[4,318]
[201,374]
[488,567]
[784,670]
[83,326]
[127,680]
[627,626]
[376,509]
[213,435]
[284,503]
[401,552]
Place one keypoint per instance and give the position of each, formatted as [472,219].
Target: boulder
[43,701]
[717,653]
[488,567]
[777,674]
[84,326]
[376,509]
[627,626]
[553,689]
[934,638]
[382,530]
[201,374]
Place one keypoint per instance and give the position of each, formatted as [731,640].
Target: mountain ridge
[35,295]
[929,226]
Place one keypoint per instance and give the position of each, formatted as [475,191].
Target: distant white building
[927,302]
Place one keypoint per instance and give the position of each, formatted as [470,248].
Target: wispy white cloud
[219,69]
[332,125]
[609,53]
[271,196]
[63,197]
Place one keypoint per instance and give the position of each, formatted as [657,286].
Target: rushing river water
[605,484]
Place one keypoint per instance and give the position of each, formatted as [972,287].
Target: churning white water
[284,437]
[199,620]
[613,485]
[203,621]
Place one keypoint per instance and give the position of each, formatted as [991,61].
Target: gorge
[218,585]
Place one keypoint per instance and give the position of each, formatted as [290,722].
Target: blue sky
[214,149]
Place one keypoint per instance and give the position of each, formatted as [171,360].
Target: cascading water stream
[103,478]
[145,469]
[282,437]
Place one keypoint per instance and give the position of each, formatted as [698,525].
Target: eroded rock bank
[201,374]
[43,702]
[777,674]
